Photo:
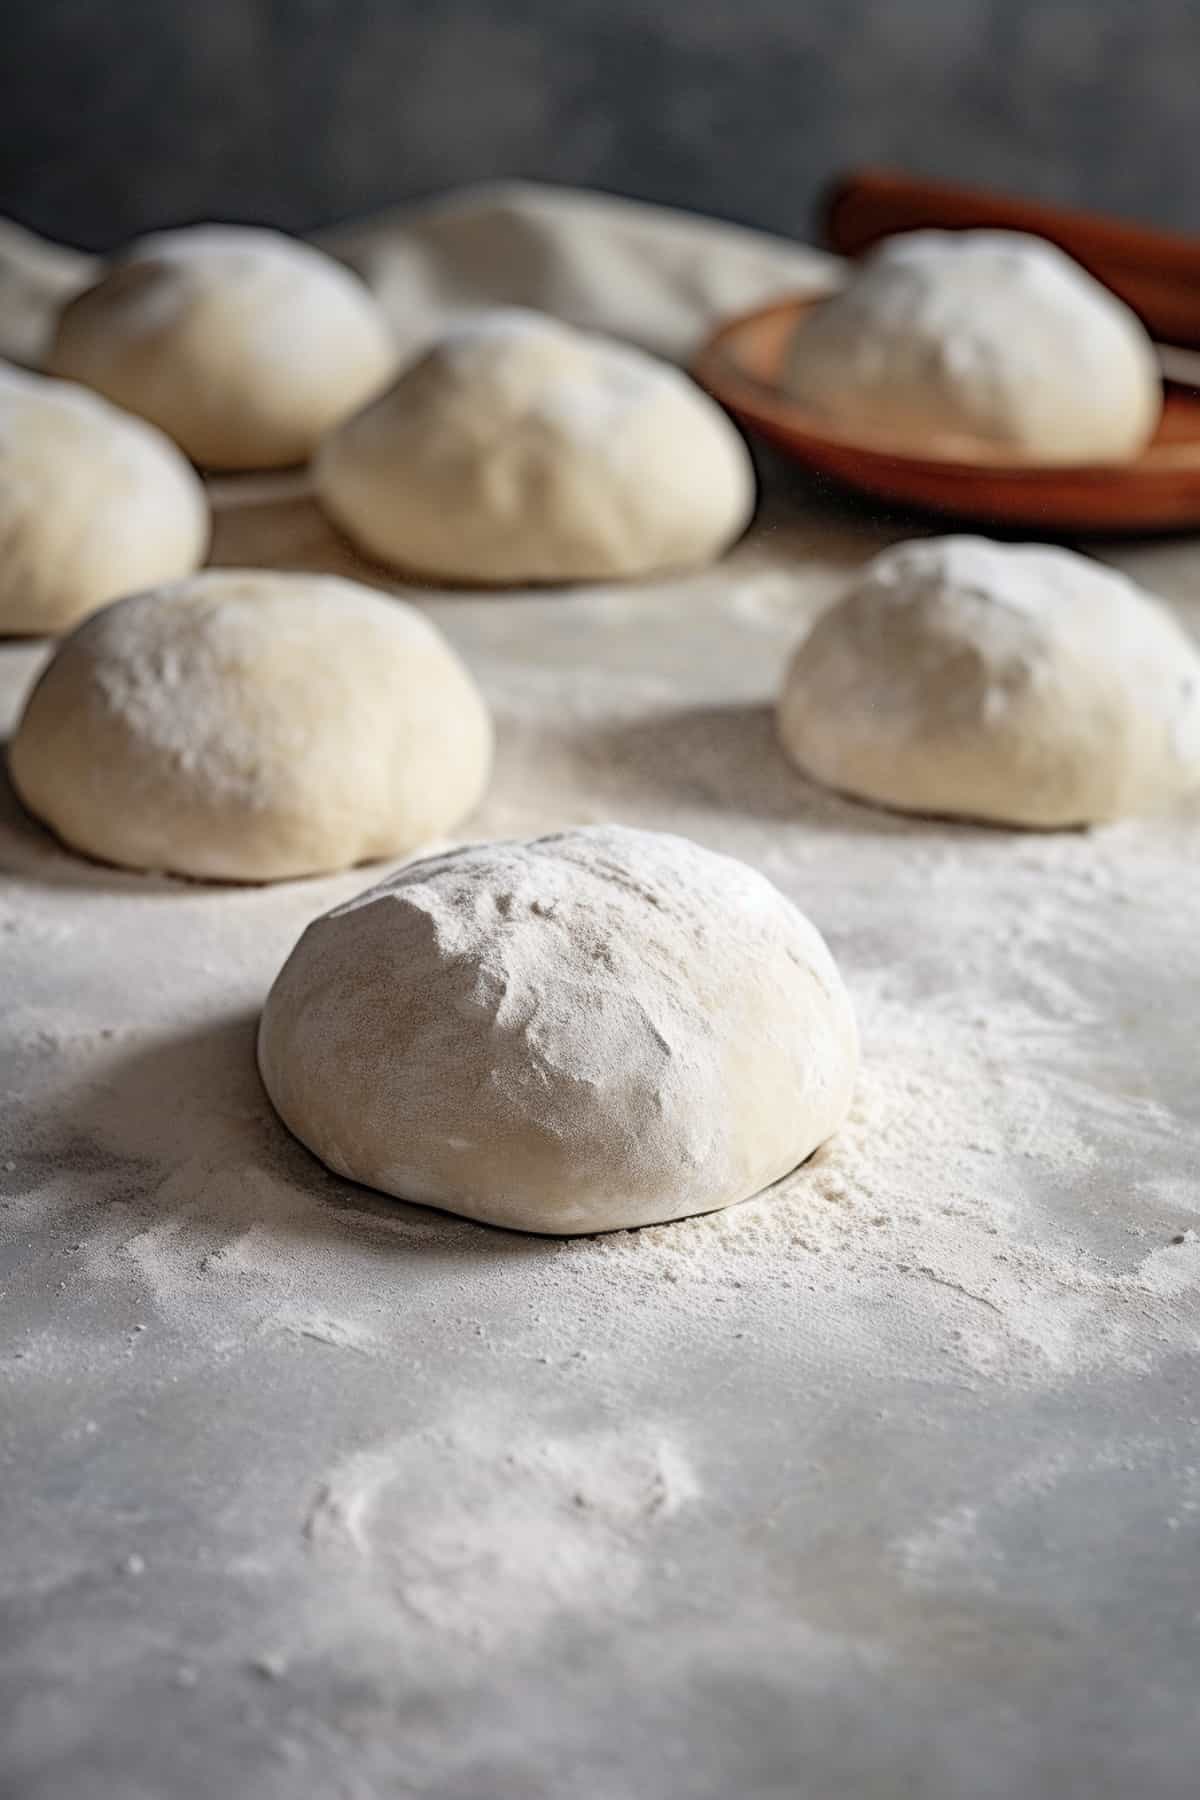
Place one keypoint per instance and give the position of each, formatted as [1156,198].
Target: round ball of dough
[93,503]
[984,344]
[599,1029]
[243,726]
[520,450]
[245,346]
[1012,683]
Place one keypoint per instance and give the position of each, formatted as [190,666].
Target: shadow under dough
[181,1131]
[30,852]
[726,759]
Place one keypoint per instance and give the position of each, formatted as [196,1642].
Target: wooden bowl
[740,366]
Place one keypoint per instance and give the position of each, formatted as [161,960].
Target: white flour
[485,1537]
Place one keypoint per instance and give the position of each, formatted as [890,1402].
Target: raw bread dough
[1015,683]
[243,345]
[93,504]
[249,726]
[986,344]
[520,450]
[598,1029]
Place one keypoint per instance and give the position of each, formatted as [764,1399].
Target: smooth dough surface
[243,345]
[598,1029]
[93,504]
[251,726]
[1012,683]
[518,449]
[991,345]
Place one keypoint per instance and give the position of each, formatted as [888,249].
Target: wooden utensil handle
[1155,272]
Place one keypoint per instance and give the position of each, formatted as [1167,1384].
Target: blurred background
[121,115]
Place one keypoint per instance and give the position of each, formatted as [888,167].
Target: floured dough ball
[93,503]
[599,1029]
[246,726]
[1017,684]
[245,346]
[520,450]
[984,344]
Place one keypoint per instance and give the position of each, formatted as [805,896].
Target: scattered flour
[450,1439]
[486,1537]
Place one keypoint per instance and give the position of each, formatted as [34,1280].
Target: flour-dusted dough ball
[245,346]
[988,344]
[1011,683]
[599,1029]
[247,726]
[518,449]
[93,503]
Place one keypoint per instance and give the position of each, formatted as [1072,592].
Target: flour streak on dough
[597,1029]
[252,726]
[1013,683]
[94,503]
[984,345]
[517,449]
[243,345]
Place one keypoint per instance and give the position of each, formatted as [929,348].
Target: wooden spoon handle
[1155,272]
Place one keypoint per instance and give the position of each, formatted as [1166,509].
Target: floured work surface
[885,1483]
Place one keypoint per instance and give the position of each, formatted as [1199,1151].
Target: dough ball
[1012,683]
[520,450]
[599,1029]
[245,726]
[243,345]
[93,503]
[984,344]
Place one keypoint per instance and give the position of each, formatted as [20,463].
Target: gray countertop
[886,1484]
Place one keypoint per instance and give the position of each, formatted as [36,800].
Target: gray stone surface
[883,1487]
[117,118]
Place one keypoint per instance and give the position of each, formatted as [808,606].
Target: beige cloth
[657,277]
[36,278]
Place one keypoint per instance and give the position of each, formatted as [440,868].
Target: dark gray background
[118,115]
